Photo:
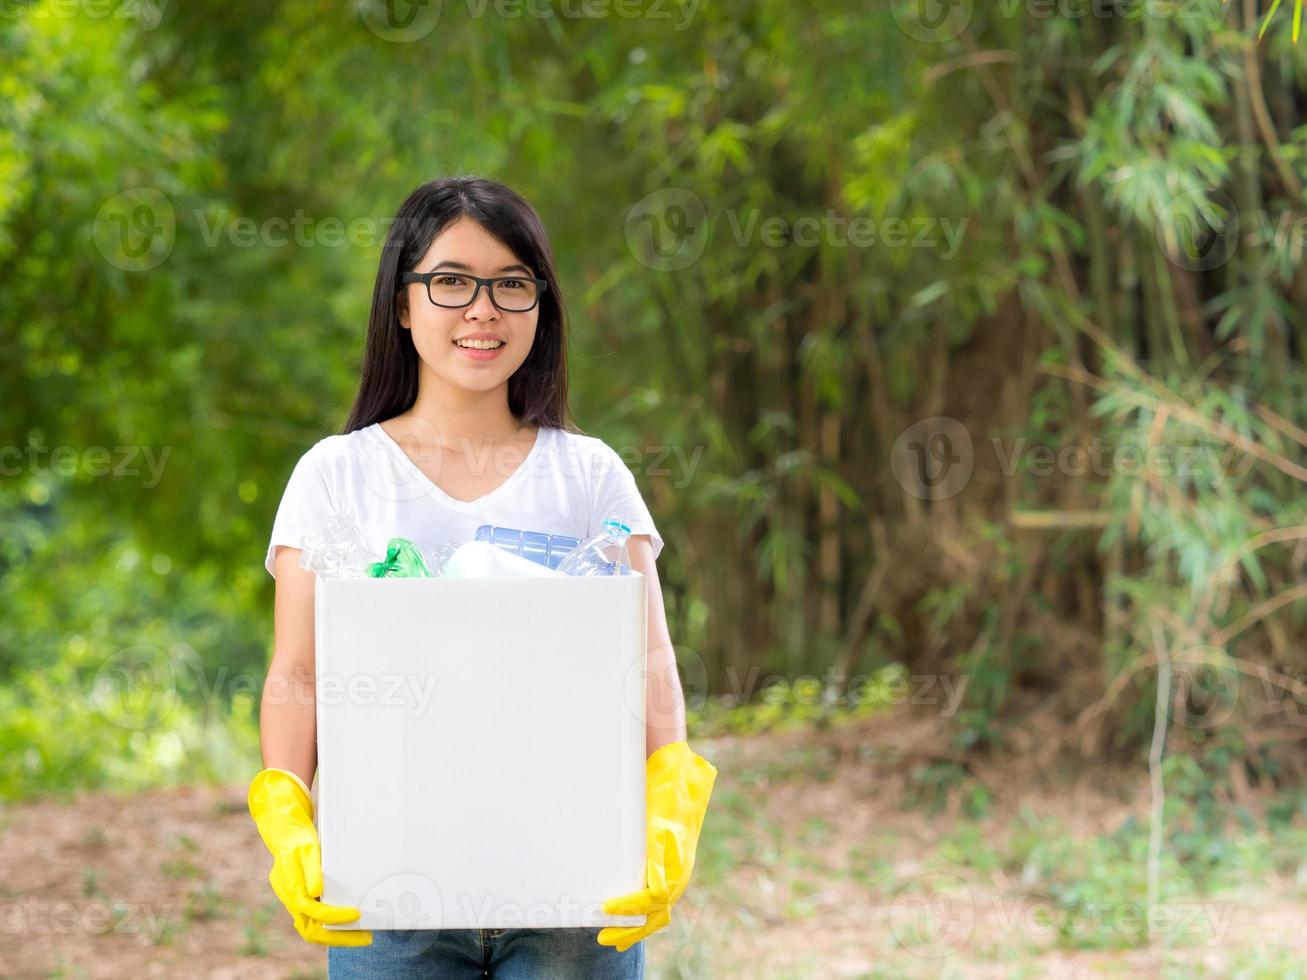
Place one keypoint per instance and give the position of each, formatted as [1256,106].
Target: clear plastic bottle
[604,554]
[336,548]
[543,549]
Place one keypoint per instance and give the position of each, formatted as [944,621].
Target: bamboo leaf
[1275,5]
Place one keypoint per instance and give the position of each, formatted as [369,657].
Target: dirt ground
[811,866]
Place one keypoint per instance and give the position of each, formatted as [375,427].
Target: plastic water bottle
[604,554]
[543,549]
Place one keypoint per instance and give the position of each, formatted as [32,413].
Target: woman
[465,363]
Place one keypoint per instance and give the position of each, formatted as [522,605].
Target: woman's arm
[288,718]
[664,701]
[678,781]
[282,810]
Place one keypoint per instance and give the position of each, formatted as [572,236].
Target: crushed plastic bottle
[603,554]
[437,559]
[337,549]
[403,560]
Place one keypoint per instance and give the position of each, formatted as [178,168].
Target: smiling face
[465,247]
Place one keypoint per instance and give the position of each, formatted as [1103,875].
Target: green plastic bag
[403,560]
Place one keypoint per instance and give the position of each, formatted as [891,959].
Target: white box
[481,749]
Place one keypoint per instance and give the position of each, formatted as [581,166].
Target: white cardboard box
[481,743]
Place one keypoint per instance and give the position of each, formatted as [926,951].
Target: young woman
[461,419]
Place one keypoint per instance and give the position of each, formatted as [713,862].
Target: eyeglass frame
[542,285]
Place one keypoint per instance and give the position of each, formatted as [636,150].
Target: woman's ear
[401,308]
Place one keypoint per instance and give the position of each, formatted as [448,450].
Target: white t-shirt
[567,484]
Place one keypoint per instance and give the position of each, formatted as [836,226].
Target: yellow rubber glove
[283,811]
[677,786]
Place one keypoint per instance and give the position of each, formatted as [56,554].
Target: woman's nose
[482,308]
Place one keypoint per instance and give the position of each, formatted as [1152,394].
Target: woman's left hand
[678,784]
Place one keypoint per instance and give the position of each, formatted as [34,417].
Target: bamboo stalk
[1057,520]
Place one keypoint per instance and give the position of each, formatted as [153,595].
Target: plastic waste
[544,549]
[603,554]
[403,560]
[337,549]
[481,559]
[437,558]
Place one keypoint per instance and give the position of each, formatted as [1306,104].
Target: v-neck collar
[528,460]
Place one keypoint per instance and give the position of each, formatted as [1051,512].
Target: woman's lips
[480,355]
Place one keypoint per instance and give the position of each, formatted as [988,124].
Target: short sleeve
[616,495]
[305,504]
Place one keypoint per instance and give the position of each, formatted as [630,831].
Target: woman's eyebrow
[466,268]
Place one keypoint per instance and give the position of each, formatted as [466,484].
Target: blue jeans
[470,954]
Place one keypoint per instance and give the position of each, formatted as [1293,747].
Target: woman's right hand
[283,811]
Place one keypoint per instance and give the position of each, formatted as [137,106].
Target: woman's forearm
[288,727]
[664,701]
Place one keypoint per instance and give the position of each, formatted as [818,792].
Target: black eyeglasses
[454,290]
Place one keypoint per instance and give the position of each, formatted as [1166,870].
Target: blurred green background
[957,348]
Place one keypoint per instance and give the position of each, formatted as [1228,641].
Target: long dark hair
[537,391]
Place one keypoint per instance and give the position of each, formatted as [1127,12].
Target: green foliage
[932,784]
[804,704]
[1297,19]
[1046,174]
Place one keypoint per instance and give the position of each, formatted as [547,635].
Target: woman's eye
[449,281]
[511,283]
